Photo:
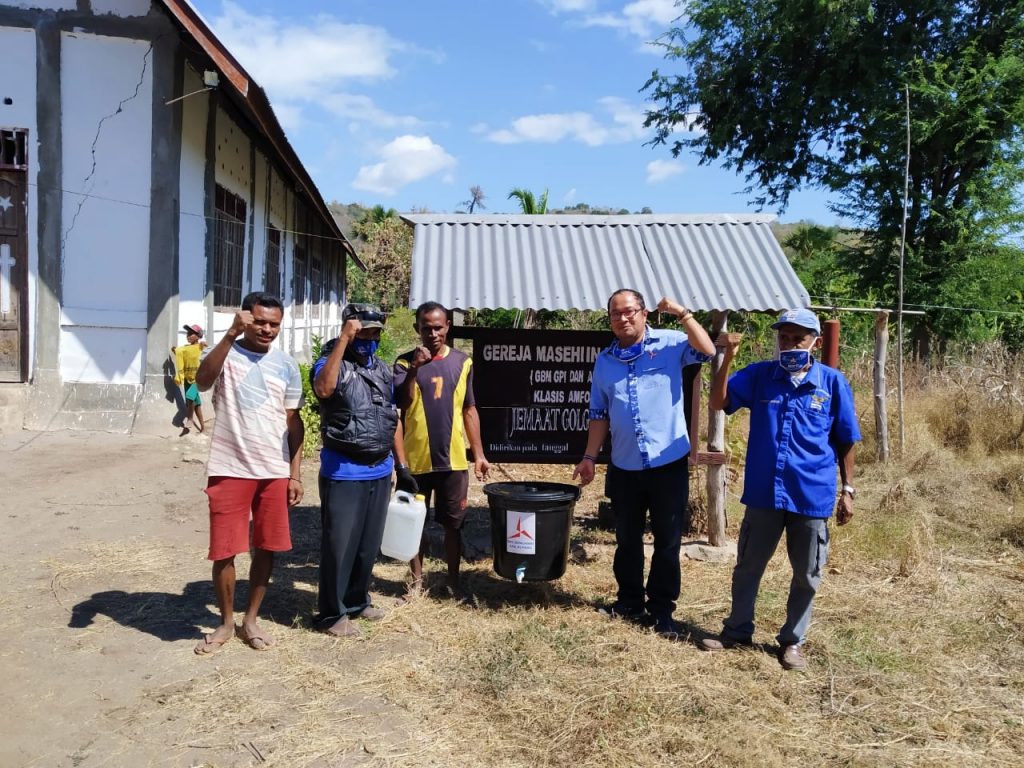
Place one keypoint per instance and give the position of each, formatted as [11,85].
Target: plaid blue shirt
[643,400]
[794,435]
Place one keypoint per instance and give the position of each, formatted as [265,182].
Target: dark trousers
[664,491]
[352,513]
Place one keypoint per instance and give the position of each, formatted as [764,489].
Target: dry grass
[916,648]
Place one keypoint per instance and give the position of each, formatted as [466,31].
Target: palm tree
[527,203]
[372,217]
[530,206]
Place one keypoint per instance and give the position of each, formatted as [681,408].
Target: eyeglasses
[625,314]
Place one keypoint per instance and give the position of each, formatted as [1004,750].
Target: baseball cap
[197,330]
[369,315]
[805,318]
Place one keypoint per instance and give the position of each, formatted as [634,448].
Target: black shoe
[626,613]
[666,627]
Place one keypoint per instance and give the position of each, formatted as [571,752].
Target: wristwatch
[850,490]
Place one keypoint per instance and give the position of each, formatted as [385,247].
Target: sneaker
[792,657]
[666,627]
[372,613]
[722,643]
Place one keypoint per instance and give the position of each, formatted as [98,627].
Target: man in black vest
[360,429]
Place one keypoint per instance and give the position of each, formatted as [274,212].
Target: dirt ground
[916,655]
[107,590]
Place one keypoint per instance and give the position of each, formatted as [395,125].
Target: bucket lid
[538,492]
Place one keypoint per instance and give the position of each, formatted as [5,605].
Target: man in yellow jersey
[434,389]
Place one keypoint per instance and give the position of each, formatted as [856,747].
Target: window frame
[229,233]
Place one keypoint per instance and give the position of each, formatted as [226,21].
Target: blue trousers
[664,491]
[807,547]
[352,513]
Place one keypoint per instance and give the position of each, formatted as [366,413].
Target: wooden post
[716,443]
[881,415]
[830,345]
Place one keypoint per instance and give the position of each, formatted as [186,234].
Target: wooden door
[13,276]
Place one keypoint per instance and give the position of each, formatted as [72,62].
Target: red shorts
[233,500]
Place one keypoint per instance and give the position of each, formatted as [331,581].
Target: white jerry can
[403,527]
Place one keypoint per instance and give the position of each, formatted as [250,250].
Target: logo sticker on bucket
[521,532]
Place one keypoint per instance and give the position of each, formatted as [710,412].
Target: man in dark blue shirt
[802,423]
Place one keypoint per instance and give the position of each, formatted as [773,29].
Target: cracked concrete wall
[117,264]
[106,101]
[92,312]
[192,194]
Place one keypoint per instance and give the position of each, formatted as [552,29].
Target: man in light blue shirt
[637,396]
[802,423]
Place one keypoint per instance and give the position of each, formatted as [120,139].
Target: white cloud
[623,123]
[568,6]
[315,62]
[660,170]
[289,115]
[643,18]
[362,109]
[569,198]
[298,59]
[403,161]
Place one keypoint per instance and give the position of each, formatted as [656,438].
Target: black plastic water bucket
[530,528]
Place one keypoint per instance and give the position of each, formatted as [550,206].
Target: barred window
[299,285]
[272,276]
[316,285]
[228,248]
[14,149]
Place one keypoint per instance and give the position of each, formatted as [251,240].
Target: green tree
[384,245]
[811,93]
[528,204]
[372,216]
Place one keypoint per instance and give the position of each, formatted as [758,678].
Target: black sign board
[532,392]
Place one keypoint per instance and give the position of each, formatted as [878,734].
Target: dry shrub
[1010,481]
[975,405]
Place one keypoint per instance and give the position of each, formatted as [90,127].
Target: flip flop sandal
[209,647]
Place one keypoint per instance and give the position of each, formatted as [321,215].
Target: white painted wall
[106,106]
[43,5]
[19,55]
[259,231]
[278,200]
[192,222]
[232,157]
[123,8]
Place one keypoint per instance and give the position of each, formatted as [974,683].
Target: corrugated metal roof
[718,261]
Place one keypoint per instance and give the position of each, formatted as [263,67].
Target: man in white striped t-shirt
[255,460]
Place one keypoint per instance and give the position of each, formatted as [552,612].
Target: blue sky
[408,103]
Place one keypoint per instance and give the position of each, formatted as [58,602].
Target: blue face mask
[365,347]
[794,360]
